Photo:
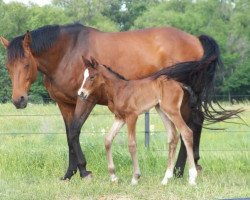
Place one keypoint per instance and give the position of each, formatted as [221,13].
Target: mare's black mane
[42,39]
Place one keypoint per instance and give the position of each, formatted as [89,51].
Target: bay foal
[128,99]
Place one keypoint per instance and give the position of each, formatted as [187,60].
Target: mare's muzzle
[21,102]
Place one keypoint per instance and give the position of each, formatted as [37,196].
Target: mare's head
[21,66]
[92,78]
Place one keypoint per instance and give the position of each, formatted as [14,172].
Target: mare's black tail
[200,75]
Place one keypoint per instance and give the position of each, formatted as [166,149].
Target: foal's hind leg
[117,125]
[187,136]
[173,141]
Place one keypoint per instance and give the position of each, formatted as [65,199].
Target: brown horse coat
[127,99]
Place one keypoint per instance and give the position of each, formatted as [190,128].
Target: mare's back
[143,52]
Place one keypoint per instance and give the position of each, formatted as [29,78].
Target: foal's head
[93,78]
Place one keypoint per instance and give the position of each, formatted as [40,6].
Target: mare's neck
[49,60]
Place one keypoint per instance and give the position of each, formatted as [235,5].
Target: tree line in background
[228,21]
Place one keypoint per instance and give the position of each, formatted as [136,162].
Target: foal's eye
[27,65]
[92,78]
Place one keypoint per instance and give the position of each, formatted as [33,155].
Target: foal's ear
[27,41]
[94,62]
[86,62]
[4,42]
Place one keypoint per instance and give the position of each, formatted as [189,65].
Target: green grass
[33,156]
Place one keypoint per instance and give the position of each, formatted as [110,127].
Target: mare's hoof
[87,176]
[199,168]
[178,173]
[66,179]
[68,175]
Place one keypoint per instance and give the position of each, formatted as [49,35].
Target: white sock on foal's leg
[134,181]
[113,178]
[192,176]
[168,175]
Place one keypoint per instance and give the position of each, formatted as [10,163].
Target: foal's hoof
[164,182]
[199,168]
[114,179]
[192,183]
[134,181]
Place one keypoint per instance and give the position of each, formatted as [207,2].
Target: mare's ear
[27,41]
[94,62]
[4,42]
[86,62]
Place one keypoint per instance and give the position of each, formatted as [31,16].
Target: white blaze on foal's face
[82,91]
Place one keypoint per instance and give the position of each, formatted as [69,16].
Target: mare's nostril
[21,98]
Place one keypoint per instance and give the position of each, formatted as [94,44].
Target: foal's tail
[200,75]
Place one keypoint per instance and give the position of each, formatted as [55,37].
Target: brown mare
[128,99]
[56,51]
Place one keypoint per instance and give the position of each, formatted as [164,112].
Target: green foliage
[87,12]
[125,12]
[239,83]
[40,16]
[228,21]
[5,83]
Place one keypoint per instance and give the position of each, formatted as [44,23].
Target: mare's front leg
[67,111]
[117,125]
[173,139]
[131,123]
[82,111]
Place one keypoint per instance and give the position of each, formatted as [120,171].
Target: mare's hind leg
[187,136]
[173,139]
[117,125]
[197,137]
[131,123]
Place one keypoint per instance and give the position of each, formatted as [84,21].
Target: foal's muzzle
[83,93]
[83,96]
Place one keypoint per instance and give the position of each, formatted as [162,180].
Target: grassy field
[33,156]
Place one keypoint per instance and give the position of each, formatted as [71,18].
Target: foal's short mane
[115,73]
[42,39]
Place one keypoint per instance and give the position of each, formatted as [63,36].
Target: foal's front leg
[131,123]
[117,125]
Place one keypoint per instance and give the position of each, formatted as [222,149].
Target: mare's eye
[92,78]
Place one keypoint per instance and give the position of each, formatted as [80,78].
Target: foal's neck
[112,82]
